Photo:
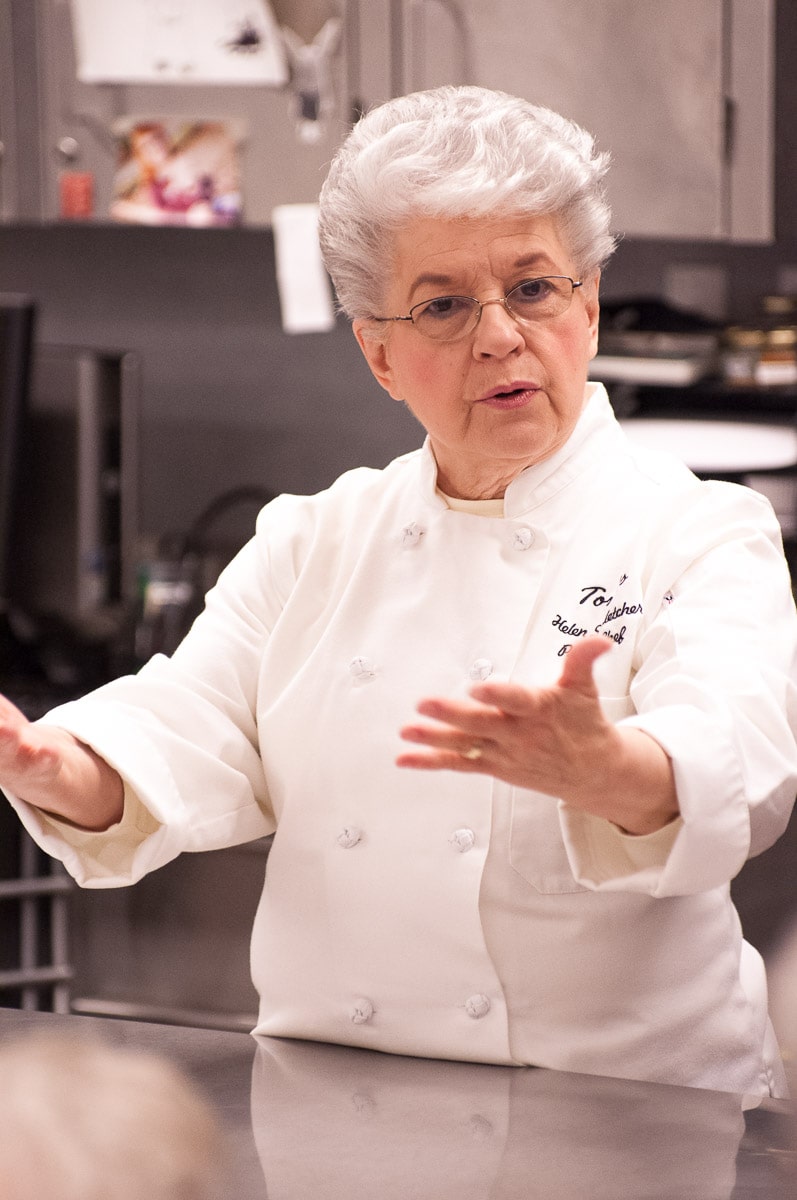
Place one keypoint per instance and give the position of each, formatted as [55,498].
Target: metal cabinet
[35,968]
[51,123]
[681,94]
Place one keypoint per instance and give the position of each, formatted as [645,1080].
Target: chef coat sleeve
[714,685]
[182,734]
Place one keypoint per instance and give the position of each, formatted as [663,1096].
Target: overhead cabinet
[681,94]
[78,139]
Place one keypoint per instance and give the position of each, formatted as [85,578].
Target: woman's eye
[445,306]
[534,289]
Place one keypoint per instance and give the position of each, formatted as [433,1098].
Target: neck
[478,484]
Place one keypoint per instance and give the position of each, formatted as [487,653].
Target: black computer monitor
[17,320]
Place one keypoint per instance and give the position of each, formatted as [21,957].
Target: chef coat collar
[539,482]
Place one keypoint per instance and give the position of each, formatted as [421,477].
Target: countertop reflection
[331,1122]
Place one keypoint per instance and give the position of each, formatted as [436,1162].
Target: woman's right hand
[51,770]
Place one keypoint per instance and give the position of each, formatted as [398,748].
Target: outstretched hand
[554,740]
[29,756]
[52,770]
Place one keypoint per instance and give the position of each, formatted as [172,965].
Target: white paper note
[304,288]
[178,41]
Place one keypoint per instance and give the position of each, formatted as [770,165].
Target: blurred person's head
[82,1120]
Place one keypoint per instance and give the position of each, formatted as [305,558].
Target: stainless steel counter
[332,1123]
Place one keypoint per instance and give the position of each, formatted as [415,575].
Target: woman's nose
[498,333]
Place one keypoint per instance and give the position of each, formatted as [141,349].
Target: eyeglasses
[446,318]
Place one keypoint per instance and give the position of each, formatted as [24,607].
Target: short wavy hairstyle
[456,152]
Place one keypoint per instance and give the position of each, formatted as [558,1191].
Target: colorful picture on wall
[173,171]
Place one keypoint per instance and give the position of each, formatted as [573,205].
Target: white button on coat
[362,1011]
[362,670]
[411,534]
[364,1105]
[349,836]
[522,537]
[463,840]
[482,668]
[477,1006]
[481,1127]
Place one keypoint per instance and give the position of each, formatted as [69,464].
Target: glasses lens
[536,299]
[446,317]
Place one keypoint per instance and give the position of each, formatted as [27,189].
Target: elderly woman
[599,648]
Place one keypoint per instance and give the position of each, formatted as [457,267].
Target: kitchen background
[698,104]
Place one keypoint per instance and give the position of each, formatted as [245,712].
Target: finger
[577,673]
[24,751]
[518,701]
[456,721]
[445,738]
[450,746]
[509,698]
[10,714]
[454,712]
[441,760]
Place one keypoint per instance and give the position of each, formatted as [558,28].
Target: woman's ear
[593,309]
[373,341]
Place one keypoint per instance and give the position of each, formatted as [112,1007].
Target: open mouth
[514,397]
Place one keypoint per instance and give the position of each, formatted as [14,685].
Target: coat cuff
[704,848]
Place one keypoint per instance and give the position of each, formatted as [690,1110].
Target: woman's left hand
[554,740]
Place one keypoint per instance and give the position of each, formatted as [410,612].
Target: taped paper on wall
[304,288]
[178,41]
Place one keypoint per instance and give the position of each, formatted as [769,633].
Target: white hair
[81,1120]
[456,152]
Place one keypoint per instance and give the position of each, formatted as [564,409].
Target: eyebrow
[538,260]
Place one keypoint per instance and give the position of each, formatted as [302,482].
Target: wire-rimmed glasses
[446,318]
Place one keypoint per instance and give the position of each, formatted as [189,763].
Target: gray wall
[228,398]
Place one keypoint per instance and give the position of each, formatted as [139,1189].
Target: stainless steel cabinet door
[681,93]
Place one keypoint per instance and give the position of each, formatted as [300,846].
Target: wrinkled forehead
[444,253]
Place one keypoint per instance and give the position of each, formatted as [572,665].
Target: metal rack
[41,892]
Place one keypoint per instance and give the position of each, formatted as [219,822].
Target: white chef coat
[456,916]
